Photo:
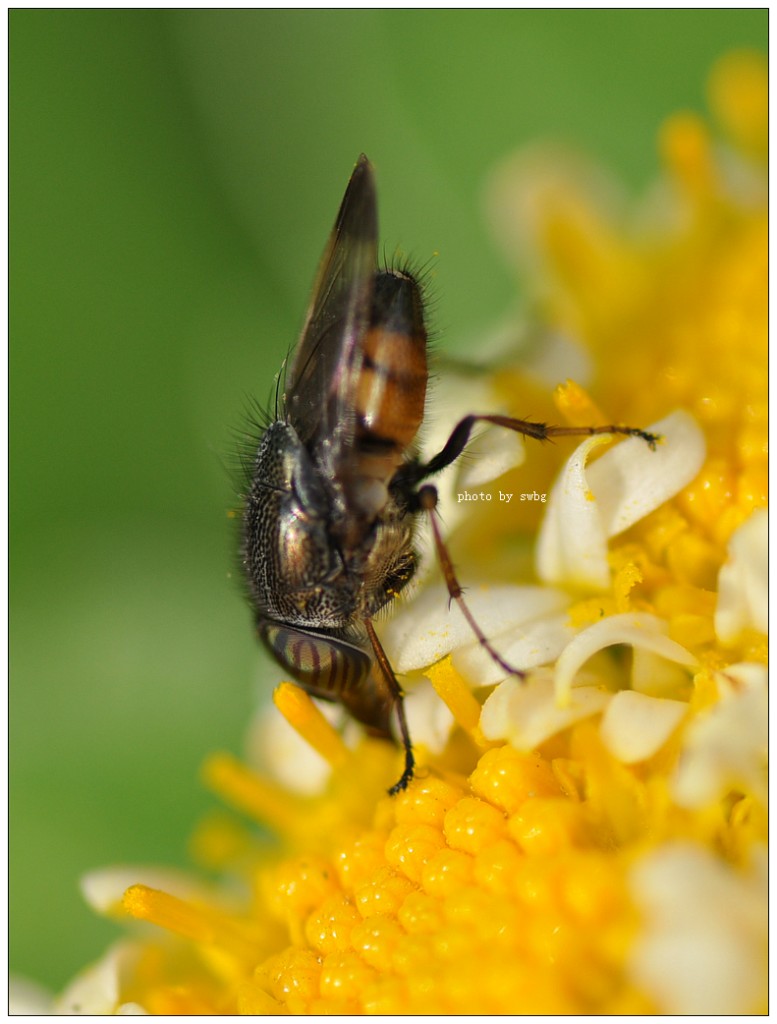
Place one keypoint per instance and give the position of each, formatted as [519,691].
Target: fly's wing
[321,381]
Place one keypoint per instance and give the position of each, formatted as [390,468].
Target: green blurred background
[174,175]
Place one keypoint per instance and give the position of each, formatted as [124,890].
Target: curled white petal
[743,583]
[637,629]
[526,713]
[572,545]
[630,480]
[726,746]
[429,720]
[703,946]
[634,727]
[590,504]
[431,626]
[526,646]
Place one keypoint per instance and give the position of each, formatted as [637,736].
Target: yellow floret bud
[473,824]
[506,778]
[410,847]
[328,928]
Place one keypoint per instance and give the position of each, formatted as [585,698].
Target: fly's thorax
[388,566]
[294,572]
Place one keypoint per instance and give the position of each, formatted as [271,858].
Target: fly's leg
[396,692]
[427,500]
[460,436]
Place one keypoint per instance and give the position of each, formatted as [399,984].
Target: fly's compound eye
[322,665]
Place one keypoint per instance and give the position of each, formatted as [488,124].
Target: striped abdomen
[390,390]
[324,666]
[332,669]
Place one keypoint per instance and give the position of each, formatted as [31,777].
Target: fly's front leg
[427,501]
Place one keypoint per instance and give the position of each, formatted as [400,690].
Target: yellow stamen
[303,715]
[199,924]
[576,405]
[625,579]
[687,150]
[219,840]
[739,96]
[458,697]
[252,794]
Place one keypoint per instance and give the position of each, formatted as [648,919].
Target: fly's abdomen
[391,388]
[324,666]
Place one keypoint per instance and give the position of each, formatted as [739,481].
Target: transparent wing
[321,381]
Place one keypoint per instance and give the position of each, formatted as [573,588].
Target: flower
[590,840]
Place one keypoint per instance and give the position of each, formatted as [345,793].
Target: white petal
[431,626]
[525,647]
[745,675]
[531,185]
[454,396]
[743,583]
[726,746]
[526,713]
[547,355]
[634,727]
[131,1010]
[588,505]
[630,480]
[28,998]
[96,990]
[493,452]
[104,888]
[638,629]
[703,947]
[488,455]
[572,546]
[428,718]
[556,356]
[274,746]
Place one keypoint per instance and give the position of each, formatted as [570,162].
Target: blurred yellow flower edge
[592,841]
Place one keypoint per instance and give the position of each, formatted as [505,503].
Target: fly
[337,485]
